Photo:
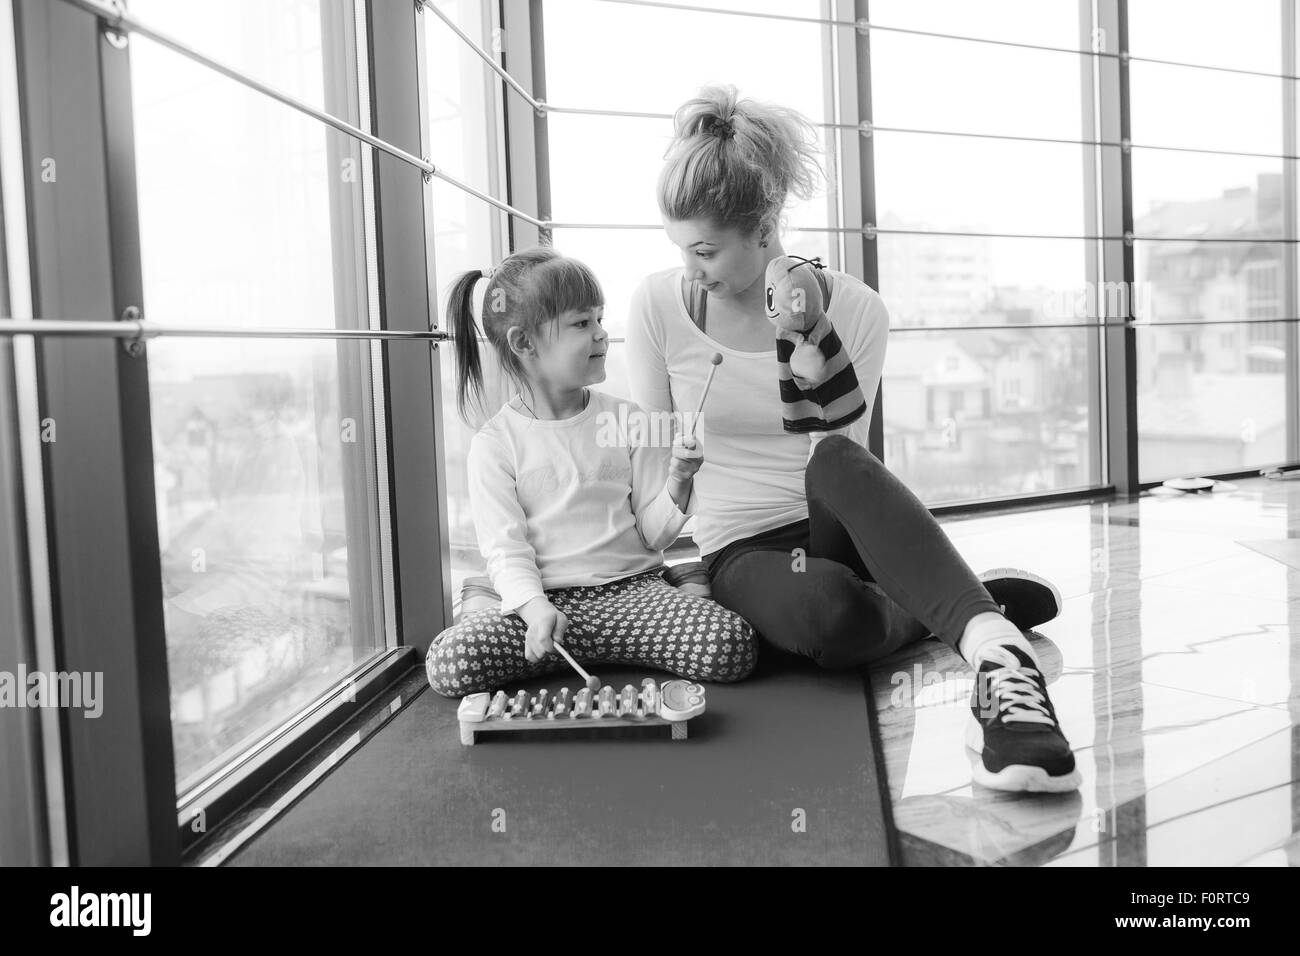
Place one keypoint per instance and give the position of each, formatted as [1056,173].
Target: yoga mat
[781,742]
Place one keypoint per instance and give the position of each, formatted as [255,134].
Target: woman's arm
[501,525]
[866,345]
[647,363]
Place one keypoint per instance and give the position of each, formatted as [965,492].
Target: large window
[269,512]
[1212,253]
[993,411]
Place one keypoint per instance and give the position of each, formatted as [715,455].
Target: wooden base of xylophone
[671,705]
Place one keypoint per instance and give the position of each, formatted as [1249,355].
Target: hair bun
[737,161]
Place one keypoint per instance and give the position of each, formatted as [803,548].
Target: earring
[763,244]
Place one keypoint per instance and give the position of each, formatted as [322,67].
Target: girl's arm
[662,485]
[501,525]
[647,365]
[866,343]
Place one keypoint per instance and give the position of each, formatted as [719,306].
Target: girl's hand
[688,456]
[546,625]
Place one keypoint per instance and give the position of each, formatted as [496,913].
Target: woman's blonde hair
[737,161]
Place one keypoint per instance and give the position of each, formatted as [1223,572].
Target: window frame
[75,105]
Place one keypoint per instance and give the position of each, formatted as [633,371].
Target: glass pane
[278,44]
[254,214]
[973,415]
[1211,398]
[1209,281]
[615,184]
[239,199]
[978,280]
[1019,21]
[1203,109]
[461,111]
[776,60]
[961,184]
[956,86]
[264,458]
[462,237]
[1244,36]
[1189,195]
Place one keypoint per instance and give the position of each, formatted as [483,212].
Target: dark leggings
[869,571]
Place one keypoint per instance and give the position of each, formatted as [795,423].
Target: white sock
[988,630]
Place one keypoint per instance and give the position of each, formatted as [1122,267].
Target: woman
[806,534]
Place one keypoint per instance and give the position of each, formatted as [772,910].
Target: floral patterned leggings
[640,620]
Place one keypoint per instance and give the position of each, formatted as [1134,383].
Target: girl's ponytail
[464,335]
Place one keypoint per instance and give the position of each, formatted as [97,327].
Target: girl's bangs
[568,285]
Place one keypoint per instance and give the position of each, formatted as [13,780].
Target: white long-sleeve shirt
[569,503]
[752,479]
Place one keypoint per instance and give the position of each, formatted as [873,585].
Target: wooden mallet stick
[592,683]
[716,360]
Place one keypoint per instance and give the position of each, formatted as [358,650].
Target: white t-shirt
[569,503]
[752,479]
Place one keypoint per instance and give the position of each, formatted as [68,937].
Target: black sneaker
[1015,731]
[1026,599]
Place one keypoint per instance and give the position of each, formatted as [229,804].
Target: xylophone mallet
[716,361]
[592,683]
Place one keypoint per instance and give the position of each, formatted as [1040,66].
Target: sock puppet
[819,386]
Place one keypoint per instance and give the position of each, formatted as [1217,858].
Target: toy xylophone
[672,704]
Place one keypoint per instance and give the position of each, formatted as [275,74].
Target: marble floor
[1175,671]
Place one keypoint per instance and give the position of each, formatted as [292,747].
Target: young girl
[571,505]
[806,533]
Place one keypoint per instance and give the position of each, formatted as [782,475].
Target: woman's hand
[808,365]
[546,625]
[688,456]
